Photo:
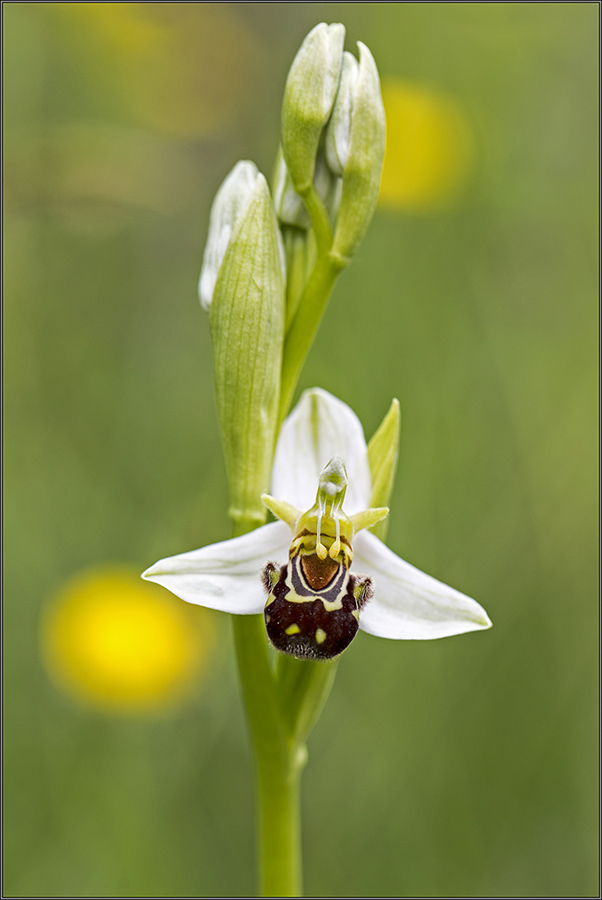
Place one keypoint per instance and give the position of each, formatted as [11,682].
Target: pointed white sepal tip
[224,576]
[409,604]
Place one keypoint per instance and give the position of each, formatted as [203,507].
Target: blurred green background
[460,767]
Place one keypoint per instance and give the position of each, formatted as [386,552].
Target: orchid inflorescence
[322,571]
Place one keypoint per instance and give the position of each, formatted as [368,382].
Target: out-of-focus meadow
[460,767]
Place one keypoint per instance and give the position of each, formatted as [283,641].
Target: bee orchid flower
[320,562]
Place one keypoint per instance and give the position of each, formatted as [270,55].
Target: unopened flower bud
[289,206]
[229,205]
[338,133]
[247,327]
[355,146]
[309,96]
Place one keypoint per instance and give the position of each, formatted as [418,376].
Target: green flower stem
[319,219]
[305,324]
[279,759]
[278,764]
[283,705]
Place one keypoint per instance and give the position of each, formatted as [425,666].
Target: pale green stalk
[283,701]
[282,705]
[313,302]
[277,758]
[263,322]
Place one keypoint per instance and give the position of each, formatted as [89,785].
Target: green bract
[383,451]
[247,326]
[309,95]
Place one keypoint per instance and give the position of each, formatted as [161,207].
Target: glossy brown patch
[318,572]
[307,630]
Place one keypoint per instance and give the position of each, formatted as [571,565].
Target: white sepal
[320,427]
[408,604]
[225,576]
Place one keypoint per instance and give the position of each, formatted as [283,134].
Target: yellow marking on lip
[293,629]
[320,636]
[329,605]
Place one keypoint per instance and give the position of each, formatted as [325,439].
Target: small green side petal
[284,511]
[383,451]
[368,518]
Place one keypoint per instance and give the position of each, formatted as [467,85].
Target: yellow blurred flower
[429,150]
[123,25]
[186,70]
[117,642]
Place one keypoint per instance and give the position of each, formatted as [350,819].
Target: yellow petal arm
[281,509]
[368,517]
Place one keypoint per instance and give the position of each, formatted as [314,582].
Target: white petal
[320,427]
[407,603]
[225,576]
